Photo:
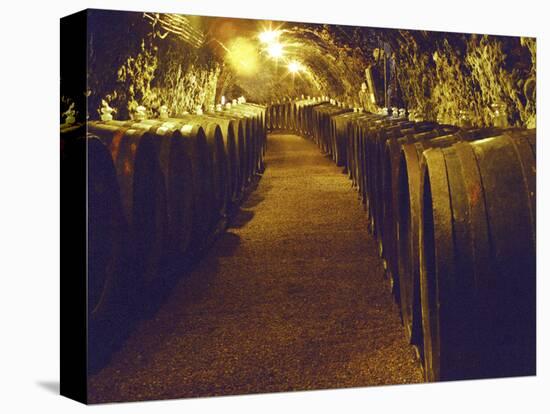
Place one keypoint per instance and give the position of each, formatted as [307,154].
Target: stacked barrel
[159,191]
[453,211]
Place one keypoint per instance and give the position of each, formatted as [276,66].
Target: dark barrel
[340,136]
[390,166]
[106,229]
[477,258]
[107,232]
[215,165]
[143,195]
[234,140]
[407,216]
[256,141]
[184,158]
[177,148]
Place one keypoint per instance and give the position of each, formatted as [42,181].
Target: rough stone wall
[134,60]
[131,64]
[441,75]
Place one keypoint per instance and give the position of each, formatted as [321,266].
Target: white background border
[29,205]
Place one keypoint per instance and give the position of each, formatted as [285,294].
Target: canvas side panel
[73,232]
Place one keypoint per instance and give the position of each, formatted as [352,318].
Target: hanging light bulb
[294,67]
[275,50]
[269,36]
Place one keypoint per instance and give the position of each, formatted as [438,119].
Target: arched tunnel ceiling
[184,62]
[326,67]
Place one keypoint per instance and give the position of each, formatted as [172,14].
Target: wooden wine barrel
[300,116]
[373,152]
[230,127]
[303,109]
[373,136]
[316,122]
[340,136]
[305,117]
[406,218]
[275,116]
[388,197]
[323,137]
[477,258]
[260,111]
[247,154]
[306,112]
[272,116]
[269,117]
[215,166]
[263,136]
[143,196]
[283,109]
[357,155]
[107,233]
[284,115]
[364,128]
[188,182]
[358,158]
[278,115]
[84,155]
[290,116]
[243,133]
[256,147]
[293,121]
[390,165]
[177,154]
[235,141]
[232,133]
[106,229]
[281,116]
[310,118]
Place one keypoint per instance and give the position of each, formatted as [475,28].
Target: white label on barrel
[186,129]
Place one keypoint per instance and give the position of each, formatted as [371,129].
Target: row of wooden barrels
[158,191]
[454,213]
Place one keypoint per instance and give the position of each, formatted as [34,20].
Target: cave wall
[188,61]
[133,61]
[445,76]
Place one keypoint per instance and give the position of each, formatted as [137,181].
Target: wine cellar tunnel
[278,206]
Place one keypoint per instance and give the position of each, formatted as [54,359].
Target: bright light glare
[275,50]
[294,67]
[269,36]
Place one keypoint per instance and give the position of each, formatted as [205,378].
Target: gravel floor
[292,297]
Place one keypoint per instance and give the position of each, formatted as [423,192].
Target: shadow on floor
[240,219]
[193,276]
[227,244]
